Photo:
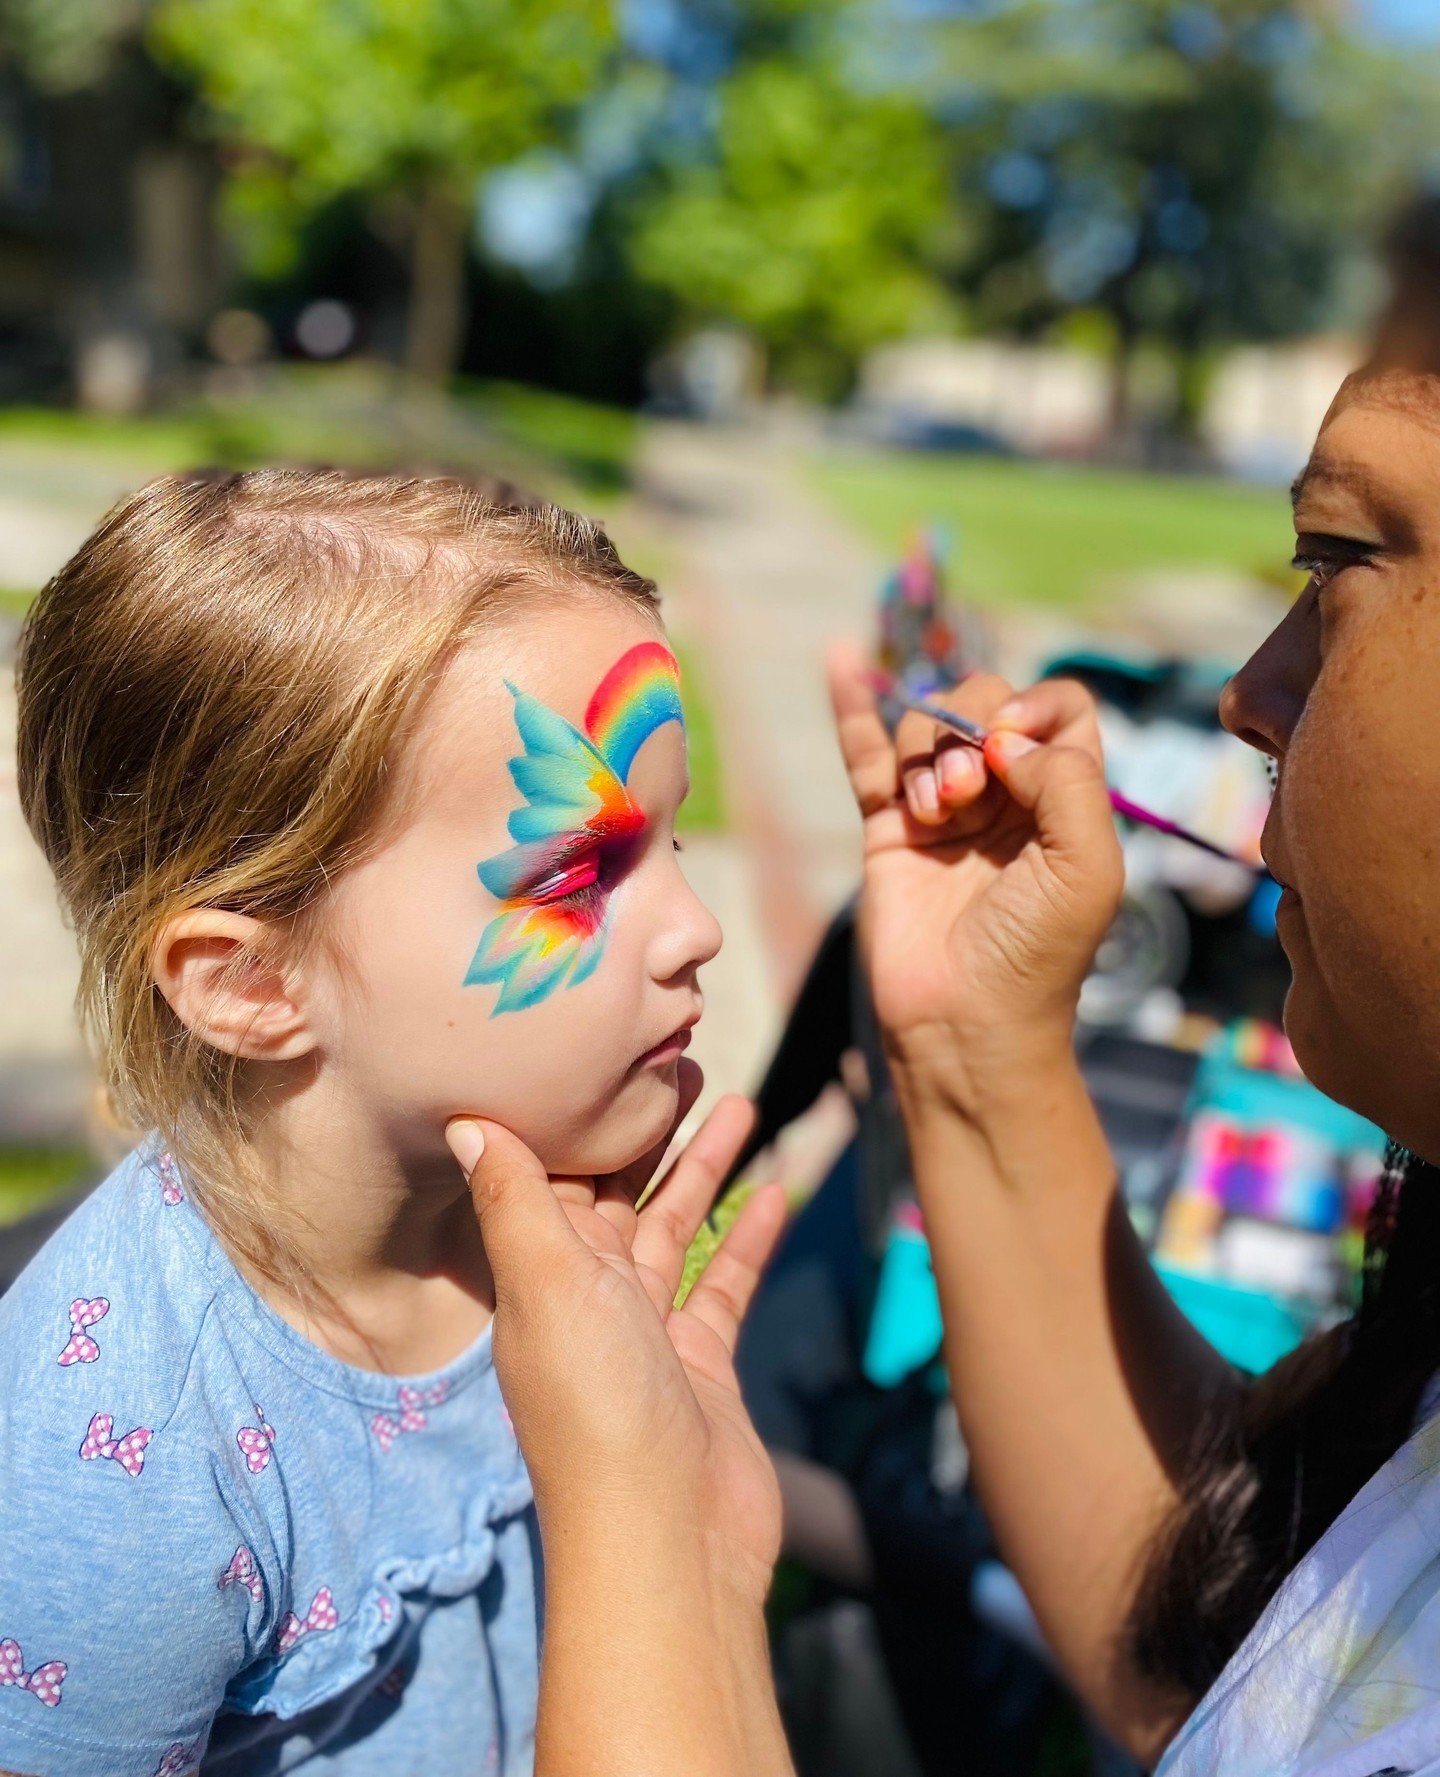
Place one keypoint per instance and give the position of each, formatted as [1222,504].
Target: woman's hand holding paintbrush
[971,734]
[991,872]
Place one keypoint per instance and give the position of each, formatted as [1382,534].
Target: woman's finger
[1053,710]
[614,1204]
[1064,788]
[724,1288]
[865,743]
[941,772]
[682,1199]
[522,1221]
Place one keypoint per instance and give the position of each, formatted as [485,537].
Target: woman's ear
[222,982]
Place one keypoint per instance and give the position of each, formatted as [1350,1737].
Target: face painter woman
[1240,1577]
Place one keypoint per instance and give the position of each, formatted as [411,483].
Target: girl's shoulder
[125,1521]
[112,1358]
[110,1282]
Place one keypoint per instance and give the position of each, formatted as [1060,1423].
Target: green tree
[64,45]
[814,216]
[1198,173]
[412,101]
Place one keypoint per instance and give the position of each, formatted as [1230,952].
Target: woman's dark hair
[1266,1483]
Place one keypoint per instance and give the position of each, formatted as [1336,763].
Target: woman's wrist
[655,1644]
[985,1077]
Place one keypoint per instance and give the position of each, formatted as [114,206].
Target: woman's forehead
[1379,443]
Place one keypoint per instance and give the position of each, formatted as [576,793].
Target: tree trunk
[437,286]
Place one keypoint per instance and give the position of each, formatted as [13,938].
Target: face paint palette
[577,814]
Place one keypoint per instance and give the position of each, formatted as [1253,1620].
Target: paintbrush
[975,736]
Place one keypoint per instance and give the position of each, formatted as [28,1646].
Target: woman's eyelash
[1325,557]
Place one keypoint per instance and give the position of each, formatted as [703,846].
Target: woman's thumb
[1063,787]
[520,1217]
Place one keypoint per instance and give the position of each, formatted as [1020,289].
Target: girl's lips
[671,1049]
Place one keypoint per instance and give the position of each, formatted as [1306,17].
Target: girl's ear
[221,983]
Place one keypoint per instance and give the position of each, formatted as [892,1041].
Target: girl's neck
[390,1238]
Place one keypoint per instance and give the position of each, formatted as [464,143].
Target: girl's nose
[1262,703]
[690,934]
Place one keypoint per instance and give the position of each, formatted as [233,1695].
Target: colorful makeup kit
[577,813]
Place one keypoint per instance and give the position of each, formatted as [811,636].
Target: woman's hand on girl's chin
[628,1410]
[989,880]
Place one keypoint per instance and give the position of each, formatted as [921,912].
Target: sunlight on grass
[30,1177]
[704,808]
[1044,533]
[356,415]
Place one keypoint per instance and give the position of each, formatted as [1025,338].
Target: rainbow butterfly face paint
[550,931]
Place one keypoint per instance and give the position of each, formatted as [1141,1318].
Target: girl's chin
[614,1142]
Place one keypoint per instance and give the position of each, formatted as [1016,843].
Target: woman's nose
[1262,703]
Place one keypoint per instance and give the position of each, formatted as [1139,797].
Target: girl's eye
[677,845]
[574,878]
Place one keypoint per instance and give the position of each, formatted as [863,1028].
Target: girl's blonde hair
[211,693]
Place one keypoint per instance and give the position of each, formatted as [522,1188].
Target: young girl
[360,794]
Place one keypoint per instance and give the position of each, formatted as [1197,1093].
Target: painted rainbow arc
[639,694]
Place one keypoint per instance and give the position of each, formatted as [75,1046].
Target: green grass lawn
[352,414]
[28,1176]
[1044,533]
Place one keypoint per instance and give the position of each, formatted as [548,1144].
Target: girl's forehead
[467,737]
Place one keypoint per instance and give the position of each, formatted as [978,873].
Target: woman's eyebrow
[1323,470]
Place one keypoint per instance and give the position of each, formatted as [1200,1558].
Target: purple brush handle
[976,736]
[1132,811]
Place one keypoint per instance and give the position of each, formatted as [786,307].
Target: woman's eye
[677,845]
[1320,569]
[1325,558]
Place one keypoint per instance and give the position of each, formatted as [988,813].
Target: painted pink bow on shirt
[320,1617]
[255,1441]
[82,1349]
[44,1682]
[128,1451]
[412,1400]
[170,1182]
[242,1571]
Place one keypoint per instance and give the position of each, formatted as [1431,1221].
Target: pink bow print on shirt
[170,1182]
[44,1682]
[242,1571]
[320,1617]
[412,1400]
[128,1451]
[255,1441]
[82,1349]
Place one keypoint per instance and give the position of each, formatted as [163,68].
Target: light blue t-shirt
[222,1548]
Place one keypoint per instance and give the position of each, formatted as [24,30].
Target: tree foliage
[64,45]
[1201,173]
[816,218]
[411,99]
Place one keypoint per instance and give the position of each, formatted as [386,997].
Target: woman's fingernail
[957,771]
[926,792]
[1009,712]
[467,1143]
[1010,745]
